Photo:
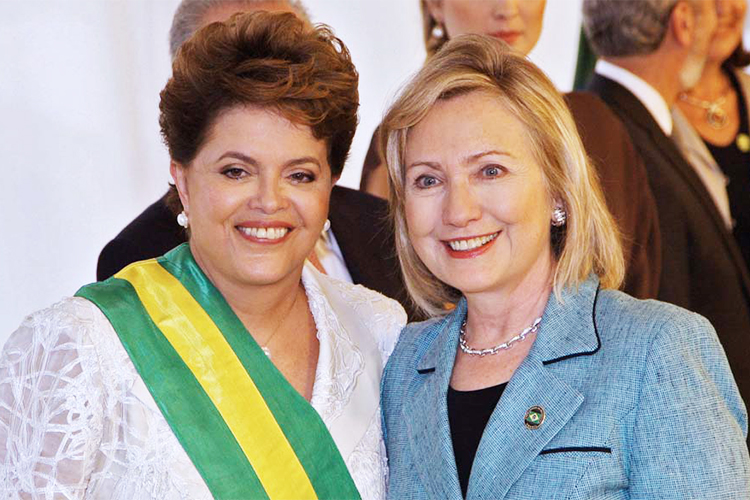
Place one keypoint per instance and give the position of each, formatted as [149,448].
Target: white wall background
[80,153]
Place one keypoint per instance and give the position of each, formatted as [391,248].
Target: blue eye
[425,181]
[492,171]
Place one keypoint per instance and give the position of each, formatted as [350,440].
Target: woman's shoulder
[415,339]
[643,311]
[623,319]
[71,332]
[68,320]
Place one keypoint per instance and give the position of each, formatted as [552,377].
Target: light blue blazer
[638,402]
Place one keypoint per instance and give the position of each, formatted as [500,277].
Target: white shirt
[649,96]
[330,257]
[77,421]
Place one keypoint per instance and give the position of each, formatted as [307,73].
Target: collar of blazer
[568,331]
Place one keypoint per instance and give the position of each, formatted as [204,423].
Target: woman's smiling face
[477,207]
[256,196]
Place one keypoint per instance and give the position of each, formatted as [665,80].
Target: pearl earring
[438,31]
[559,217]
[182,219]
[326,226]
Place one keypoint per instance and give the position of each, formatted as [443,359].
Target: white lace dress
[76,420]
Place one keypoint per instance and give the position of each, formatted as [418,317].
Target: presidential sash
[249,433]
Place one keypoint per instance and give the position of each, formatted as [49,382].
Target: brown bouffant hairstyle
[265,59]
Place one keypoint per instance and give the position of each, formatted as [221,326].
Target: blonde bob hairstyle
[589,242]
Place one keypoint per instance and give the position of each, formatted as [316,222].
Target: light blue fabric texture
[642,387]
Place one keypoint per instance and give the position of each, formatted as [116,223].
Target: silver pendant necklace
[466,348]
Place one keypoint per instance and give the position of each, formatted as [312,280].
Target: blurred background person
[544,381]
[355,246]
[717,109]
[230,367]
[620,169]
[650,51]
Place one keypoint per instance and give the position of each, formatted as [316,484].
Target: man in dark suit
[651,50]
[358,246]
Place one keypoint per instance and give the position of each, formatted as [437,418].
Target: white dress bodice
[77,421]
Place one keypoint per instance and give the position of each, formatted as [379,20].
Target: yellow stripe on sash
[203,348]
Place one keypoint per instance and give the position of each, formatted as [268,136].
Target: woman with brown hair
[620,169]
[230,367]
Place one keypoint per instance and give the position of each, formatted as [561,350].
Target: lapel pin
[534,417]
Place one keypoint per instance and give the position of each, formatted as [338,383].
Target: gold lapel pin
[534,417]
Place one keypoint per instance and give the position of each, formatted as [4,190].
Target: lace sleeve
[51,404]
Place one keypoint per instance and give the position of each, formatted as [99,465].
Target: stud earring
[326,226]
[559,217]
[438,31]
[182,219]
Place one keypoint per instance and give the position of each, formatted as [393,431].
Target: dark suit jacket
[623,179]
[358,221]
[702,268]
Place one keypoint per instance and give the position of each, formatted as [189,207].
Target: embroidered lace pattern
[76,420]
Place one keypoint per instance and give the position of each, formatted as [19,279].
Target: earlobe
[435,8]
[179,176]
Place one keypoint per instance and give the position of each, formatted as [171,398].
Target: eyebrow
[239,156]
[476,156]
[470,158]
[252,161]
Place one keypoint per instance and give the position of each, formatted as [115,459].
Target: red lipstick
[508,37]
[474,252]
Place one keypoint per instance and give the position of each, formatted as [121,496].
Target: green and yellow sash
[249,433]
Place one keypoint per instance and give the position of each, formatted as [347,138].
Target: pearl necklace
[466,348]
[715,114]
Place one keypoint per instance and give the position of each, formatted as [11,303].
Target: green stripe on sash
[196,423]
[226,464]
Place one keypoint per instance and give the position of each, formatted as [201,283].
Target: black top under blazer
[358,220]
[702,267]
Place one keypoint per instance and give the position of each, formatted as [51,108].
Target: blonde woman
[535,378]
[618,166]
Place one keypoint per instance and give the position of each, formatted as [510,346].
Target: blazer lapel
[426,413]
[508,446]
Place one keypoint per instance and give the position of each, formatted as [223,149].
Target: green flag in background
[585,63]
